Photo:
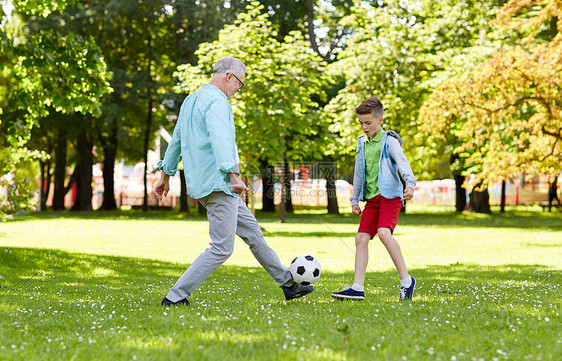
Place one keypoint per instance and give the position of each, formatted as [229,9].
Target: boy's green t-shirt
[373,149]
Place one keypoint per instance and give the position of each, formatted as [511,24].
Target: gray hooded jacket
[392,161]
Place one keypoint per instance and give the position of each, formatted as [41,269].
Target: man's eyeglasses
[240,81]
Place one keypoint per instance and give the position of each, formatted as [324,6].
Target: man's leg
[249,230]
[222,212]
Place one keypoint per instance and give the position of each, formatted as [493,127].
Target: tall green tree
[275,113]
[135,36]
[44,72]
[507,112]
[401,51]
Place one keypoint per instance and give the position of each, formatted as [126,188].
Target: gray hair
[229,65]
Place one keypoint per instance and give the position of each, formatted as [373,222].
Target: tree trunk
[83,172]
[268,187]
[287,176]
[330,173]
[109,152]
[480,201]
[148,127]
[46,176]
[184,206]
[60,171]
[460,203]
[460,191]
[502,203]
[553,192]
[109,144]
[310,20]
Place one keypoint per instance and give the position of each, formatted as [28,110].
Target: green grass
[79,286]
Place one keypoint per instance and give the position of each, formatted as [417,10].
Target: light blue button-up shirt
[206,138]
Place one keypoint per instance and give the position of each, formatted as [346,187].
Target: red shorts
[380,212]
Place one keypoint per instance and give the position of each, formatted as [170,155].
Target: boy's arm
[397,154]
[357,183]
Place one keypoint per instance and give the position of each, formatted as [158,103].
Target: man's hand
[356,210]
[162,187]
[237,184]
[408,194]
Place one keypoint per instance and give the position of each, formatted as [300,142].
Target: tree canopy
[400,51]
[474,84]
[507,114]
[40,73]
[275,112]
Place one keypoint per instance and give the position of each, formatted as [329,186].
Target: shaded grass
[59,305]
[88,288]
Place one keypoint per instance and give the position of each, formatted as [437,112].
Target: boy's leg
[388,218]
[222,212]
[367,230]
[361,257]
[389,211]
[393,248]
[248,229]
[357,291]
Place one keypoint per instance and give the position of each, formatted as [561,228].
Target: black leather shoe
[296,291]
[167,302]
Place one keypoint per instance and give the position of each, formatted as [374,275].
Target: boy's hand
[408,194]
[356,210]
[237,184]
[162,187]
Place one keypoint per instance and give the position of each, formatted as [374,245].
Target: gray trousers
[228,216]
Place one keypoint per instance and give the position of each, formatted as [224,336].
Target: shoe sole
[179,303]
[298,295]
[343,297]
[175,304]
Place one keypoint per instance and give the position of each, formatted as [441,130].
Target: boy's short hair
[372,106]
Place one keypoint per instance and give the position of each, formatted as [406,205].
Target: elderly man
[206,138]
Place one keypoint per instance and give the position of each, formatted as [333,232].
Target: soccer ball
[305,270]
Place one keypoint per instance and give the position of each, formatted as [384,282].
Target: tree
[508,112]
[401,52]
[326,33]
[45,72]
[275,113]
[133,36]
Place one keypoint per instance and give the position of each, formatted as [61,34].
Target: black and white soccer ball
[305,269]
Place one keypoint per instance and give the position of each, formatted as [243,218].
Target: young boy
[379,158]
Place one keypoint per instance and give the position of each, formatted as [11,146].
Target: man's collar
[214,88]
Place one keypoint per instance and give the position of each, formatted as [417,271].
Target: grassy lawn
[88,287]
